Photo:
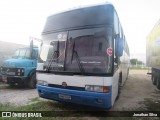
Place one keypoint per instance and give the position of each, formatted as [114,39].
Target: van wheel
[158,82]
[32,81]
[11,85]
[154,79]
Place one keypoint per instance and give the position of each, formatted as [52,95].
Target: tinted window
[91,47]
[82,17]
[85,50]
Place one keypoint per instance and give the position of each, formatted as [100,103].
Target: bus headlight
[96,88]
[41,82]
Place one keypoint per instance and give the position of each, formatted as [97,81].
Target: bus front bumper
[95,99]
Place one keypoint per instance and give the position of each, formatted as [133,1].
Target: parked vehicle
[21,68]
[84,57]
[0,77]
[153,53]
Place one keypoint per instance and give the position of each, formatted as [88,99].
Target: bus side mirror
[120,46]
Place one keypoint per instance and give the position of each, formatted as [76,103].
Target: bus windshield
[78,51]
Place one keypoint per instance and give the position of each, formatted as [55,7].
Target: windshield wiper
[77,58]
[52,57]
[51,60]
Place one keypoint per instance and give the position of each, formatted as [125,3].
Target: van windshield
[78,51]
[22,53]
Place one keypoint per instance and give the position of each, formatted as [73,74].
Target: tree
[133,61]
[139,62]
[136,62]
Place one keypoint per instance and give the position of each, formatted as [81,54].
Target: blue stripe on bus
[96,99]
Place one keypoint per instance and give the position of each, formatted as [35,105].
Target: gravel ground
[16,96]
[135,90]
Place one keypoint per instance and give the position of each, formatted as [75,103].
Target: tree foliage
[136,61]
[133,61]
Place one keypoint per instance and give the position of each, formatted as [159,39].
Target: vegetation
[137,64]
[69,111]
[2,86]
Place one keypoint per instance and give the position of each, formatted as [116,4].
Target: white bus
[84,57]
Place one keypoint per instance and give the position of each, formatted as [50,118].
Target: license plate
[4,78]
[11,73]
[66,97]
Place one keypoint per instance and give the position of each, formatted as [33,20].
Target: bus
[84,57]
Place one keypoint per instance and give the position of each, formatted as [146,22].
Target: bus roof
[81,7]
[80,17]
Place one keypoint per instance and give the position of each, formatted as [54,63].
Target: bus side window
[116,35]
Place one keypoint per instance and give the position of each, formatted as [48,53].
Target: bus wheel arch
[119,85]
[120,78]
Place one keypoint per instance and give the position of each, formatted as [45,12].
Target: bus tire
[32,81]
[158,82]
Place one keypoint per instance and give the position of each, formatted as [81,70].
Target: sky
[22,19]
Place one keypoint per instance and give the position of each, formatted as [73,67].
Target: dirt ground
[137,88]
